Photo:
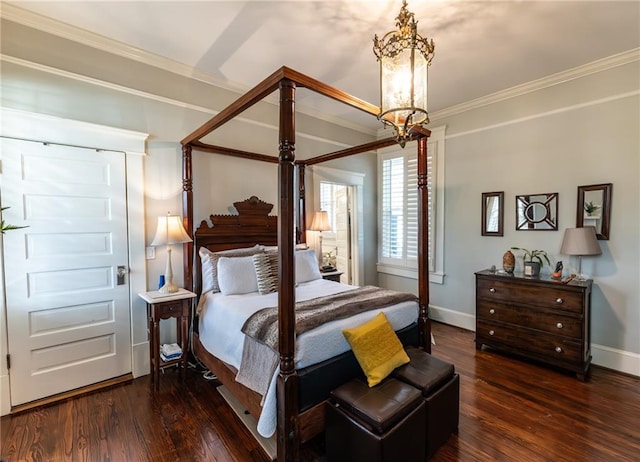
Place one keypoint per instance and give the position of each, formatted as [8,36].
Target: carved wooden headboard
[252,225]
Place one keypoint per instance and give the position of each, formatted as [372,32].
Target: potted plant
[533,261]
[590,208]
[6,226]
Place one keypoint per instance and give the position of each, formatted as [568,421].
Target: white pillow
[237,275]
[307,266]
[209,264]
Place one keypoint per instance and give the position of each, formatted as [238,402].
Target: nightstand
[332,275]
[165,306]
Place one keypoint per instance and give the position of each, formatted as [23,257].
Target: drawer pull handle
[492,311]
[491,332]
[559,325]
[492,290]
[559,301]
[558,350]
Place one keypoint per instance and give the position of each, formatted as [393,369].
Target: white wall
[554,139]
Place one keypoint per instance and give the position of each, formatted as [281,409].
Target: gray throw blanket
[260,354]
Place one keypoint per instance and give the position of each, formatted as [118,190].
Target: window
[327,200]
[398,182]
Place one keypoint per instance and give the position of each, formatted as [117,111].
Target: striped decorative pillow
[266,266]
[209,263]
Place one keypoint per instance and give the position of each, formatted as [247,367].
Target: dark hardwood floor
[509,411]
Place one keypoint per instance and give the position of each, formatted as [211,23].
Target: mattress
[222,317]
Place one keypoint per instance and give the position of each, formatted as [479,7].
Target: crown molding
[75,34]
[51,26]
[594,67]
[151,96]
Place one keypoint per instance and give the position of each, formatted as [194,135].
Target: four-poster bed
[253,226]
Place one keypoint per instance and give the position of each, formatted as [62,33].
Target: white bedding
[223,316]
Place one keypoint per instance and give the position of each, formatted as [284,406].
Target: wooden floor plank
[510,410]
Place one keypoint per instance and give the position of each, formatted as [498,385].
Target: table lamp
[580,242]
[169,231]
[320,223]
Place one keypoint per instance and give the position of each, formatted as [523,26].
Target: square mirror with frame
[594,208]
[537,212]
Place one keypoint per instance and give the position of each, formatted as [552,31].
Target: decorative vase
[508,262]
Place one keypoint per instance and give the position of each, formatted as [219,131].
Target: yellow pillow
[377,348]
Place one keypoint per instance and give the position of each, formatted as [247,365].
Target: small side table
[332,276]
[165,306]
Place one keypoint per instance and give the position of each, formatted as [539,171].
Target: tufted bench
[385,423]
[440,387]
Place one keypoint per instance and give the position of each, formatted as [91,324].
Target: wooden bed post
[424,324]
[287,385]
[302,205]
[187,216]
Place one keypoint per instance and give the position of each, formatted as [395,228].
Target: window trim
[435,147]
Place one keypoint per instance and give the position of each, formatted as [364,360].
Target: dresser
[537,318]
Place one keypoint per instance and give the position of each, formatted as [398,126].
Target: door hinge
[8,361]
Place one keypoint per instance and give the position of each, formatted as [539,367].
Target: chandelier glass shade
[404,57]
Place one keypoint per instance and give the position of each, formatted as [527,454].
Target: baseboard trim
[617,360]
[140,359]
[604,356]
[452,318]
[5,396]
[71,393]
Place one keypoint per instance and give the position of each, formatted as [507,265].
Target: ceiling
[482,47]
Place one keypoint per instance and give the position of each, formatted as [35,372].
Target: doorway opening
[339,193]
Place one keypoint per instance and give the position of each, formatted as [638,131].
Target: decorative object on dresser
[557,273]
[537,212]
[580,242]
[508,261]
[594,208]
[320,223]
[539,319]
[170,231]
[492,213]
[532,261]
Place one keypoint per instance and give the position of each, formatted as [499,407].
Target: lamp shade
[580,241]
[320,222]
[170,231]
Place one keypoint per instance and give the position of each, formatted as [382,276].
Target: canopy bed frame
[293,427]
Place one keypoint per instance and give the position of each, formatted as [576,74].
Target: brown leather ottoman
[440,387]
[385,423]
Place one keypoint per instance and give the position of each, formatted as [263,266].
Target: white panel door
[68,313]
[343,235]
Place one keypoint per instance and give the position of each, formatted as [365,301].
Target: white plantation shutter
[411,209]
[398,183]
[393,207]
[431,229]
[399,211]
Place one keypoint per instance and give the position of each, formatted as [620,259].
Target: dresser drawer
[533,318]
[551,347]
[560,297]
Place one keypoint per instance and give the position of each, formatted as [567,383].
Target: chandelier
[404,57]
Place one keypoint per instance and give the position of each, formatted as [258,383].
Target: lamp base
[168,288]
